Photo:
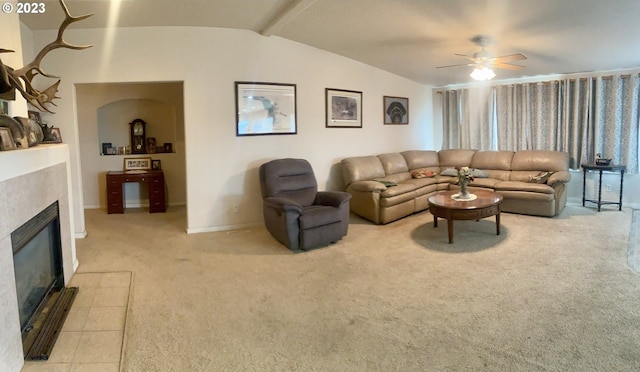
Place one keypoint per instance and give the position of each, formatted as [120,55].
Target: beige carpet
[546,295]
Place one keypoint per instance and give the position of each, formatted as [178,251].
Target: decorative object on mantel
[6,140]
[16,129]
[55,133]
[21,79]
[464,177]
[138,136]
[602,161]
[32,131]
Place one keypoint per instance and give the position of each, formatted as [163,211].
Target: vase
[464,193]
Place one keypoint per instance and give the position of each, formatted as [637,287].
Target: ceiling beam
[285,16]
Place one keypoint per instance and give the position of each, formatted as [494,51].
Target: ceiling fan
[484,62]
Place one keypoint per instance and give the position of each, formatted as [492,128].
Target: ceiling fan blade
[508,66]
[511,57]
[464,64]
[473,59]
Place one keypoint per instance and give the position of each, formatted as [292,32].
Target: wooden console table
[153,178]
[600,169]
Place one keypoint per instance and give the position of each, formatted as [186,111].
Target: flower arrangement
[464,174]
[464,177]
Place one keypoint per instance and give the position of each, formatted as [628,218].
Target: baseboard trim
[222,228]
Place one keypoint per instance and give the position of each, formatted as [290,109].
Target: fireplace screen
[37,262]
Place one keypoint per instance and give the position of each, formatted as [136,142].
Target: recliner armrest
[331,198]
[284,204]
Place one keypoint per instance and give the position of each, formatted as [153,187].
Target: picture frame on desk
[156,164]
[136,165]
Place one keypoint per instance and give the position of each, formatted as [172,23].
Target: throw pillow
[478,173]
[421,174]
[449,172]
[387,183]
[542,177]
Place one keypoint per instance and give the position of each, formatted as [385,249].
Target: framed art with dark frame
[343,108]
[396,110]
[55,134]
[265,108]
[156,164]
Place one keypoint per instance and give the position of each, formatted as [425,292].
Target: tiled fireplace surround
[30,180]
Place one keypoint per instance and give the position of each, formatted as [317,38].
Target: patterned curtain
[450,119]
[614,132]
[576,114]
[468,117]
[580,116]
[528,116]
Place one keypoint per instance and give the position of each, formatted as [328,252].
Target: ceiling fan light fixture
[482,74]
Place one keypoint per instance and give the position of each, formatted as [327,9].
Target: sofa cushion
[393,163]
[498,160]
[541,177]
[399,189]
[485,182]
[540,160]
[523,186]
[479,173]
[417,159]
[361,168]
[455,158]
[451,172]
[422,173]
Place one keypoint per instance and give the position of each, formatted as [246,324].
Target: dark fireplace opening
[37,262]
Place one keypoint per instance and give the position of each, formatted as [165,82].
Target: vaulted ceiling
[406,37]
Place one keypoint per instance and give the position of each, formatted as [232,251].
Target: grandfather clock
[138,136]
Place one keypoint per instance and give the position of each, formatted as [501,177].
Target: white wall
[222,168]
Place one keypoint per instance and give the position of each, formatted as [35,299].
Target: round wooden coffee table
[486,204]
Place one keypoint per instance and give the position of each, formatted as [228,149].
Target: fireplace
[43,301]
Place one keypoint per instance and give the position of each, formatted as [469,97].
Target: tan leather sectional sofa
[511,174]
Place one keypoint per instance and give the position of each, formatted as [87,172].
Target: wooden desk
[600,169]
[153,178]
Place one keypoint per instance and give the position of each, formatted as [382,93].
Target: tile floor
[92,336]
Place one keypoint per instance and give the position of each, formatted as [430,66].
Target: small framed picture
[137,164]
[6,140]
[151,145]
[35,116]
[155,164]
[105,148]
[55,134]
[343,108]
[168,147]
[396,110]
[4,107]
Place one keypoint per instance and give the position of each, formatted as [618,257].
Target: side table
[586,167]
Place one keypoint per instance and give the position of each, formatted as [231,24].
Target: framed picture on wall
[396,110]
[343,108]
[265,108]
[134,165]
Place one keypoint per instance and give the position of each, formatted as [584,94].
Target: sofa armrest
[282,204]
[561,176]
[332,198]
[370,186]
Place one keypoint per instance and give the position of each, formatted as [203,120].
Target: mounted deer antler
[22,78]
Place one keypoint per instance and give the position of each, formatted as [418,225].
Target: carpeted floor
[546,295]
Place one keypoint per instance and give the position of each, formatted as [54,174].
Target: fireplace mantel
[30,180]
